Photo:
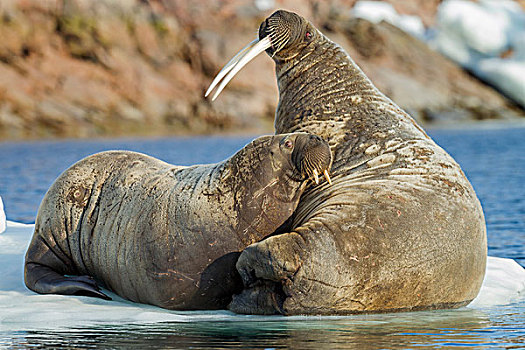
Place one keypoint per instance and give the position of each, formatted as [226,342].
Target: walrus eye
[308,35]
[288,144]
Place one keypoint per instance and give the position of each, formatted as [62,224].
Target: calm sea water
[493,160]
[463,328]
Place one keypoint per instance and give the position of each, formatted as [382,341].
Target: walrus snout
[312,157]
[285,30]
[279,28]
[264,33]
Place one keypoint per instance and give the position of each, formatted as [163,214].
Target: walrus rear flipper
[44,280]
[46,271]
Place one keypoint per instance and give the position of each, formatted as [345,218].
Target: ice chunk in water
[504,283]
[2,216]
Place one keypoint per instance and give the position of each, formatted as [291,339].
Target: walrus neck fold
[323,73]
[246,166]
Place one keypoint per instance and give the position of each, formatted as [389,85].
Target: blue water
[493,160]
[463,328]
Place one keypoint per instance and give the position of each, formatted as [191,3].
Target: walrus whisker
[277,40]
[229,66]
[308,166]
[251,53]
[280,40]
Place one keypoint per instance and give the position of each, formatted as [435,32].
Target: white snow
[377,11]
[2,216]
[452,46]
[474,34]
[482,29]
[264,5]
[477,35]
[23,309]
[507,74]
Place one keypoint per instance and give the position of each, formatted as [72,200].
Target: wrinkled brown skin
[161,234]
[400,228]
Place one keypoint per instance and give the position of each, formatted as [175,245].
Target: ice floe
[504,283]
[23,309]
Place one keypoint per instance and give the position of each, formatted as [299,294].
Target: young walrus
[167,235]
[401,227]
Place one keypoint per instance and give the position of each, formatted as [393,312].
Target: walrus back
[67,237]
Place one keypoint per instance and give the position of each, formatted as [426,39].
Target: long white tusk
[228,67]
[250,54]
[316,177]
[327,177]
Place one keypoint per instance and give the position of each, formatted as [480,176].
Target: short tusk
[316,177]
[236,63]
[327,177]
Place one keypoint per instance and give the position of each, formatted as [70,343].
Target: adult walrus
[400,228]
[162,234]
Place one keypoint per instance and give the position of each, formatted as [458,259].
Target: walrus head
[283,36]
[312,156]
[309,154]
[288,34]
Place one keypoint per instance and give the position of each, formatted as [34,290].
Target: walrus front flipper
[263,298]
[44,280]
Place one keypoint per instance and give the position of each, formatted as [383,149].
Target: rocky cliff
[81,68]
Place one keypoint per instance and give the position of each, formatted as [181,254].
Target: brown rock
[82,68]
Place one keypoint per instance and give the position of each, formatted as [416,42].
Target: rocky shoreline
[81,68]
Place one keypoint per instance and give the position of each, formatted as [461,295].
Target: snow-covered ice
[507,74]
[504,283]
[487,37]
[23,309]
[482,27]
